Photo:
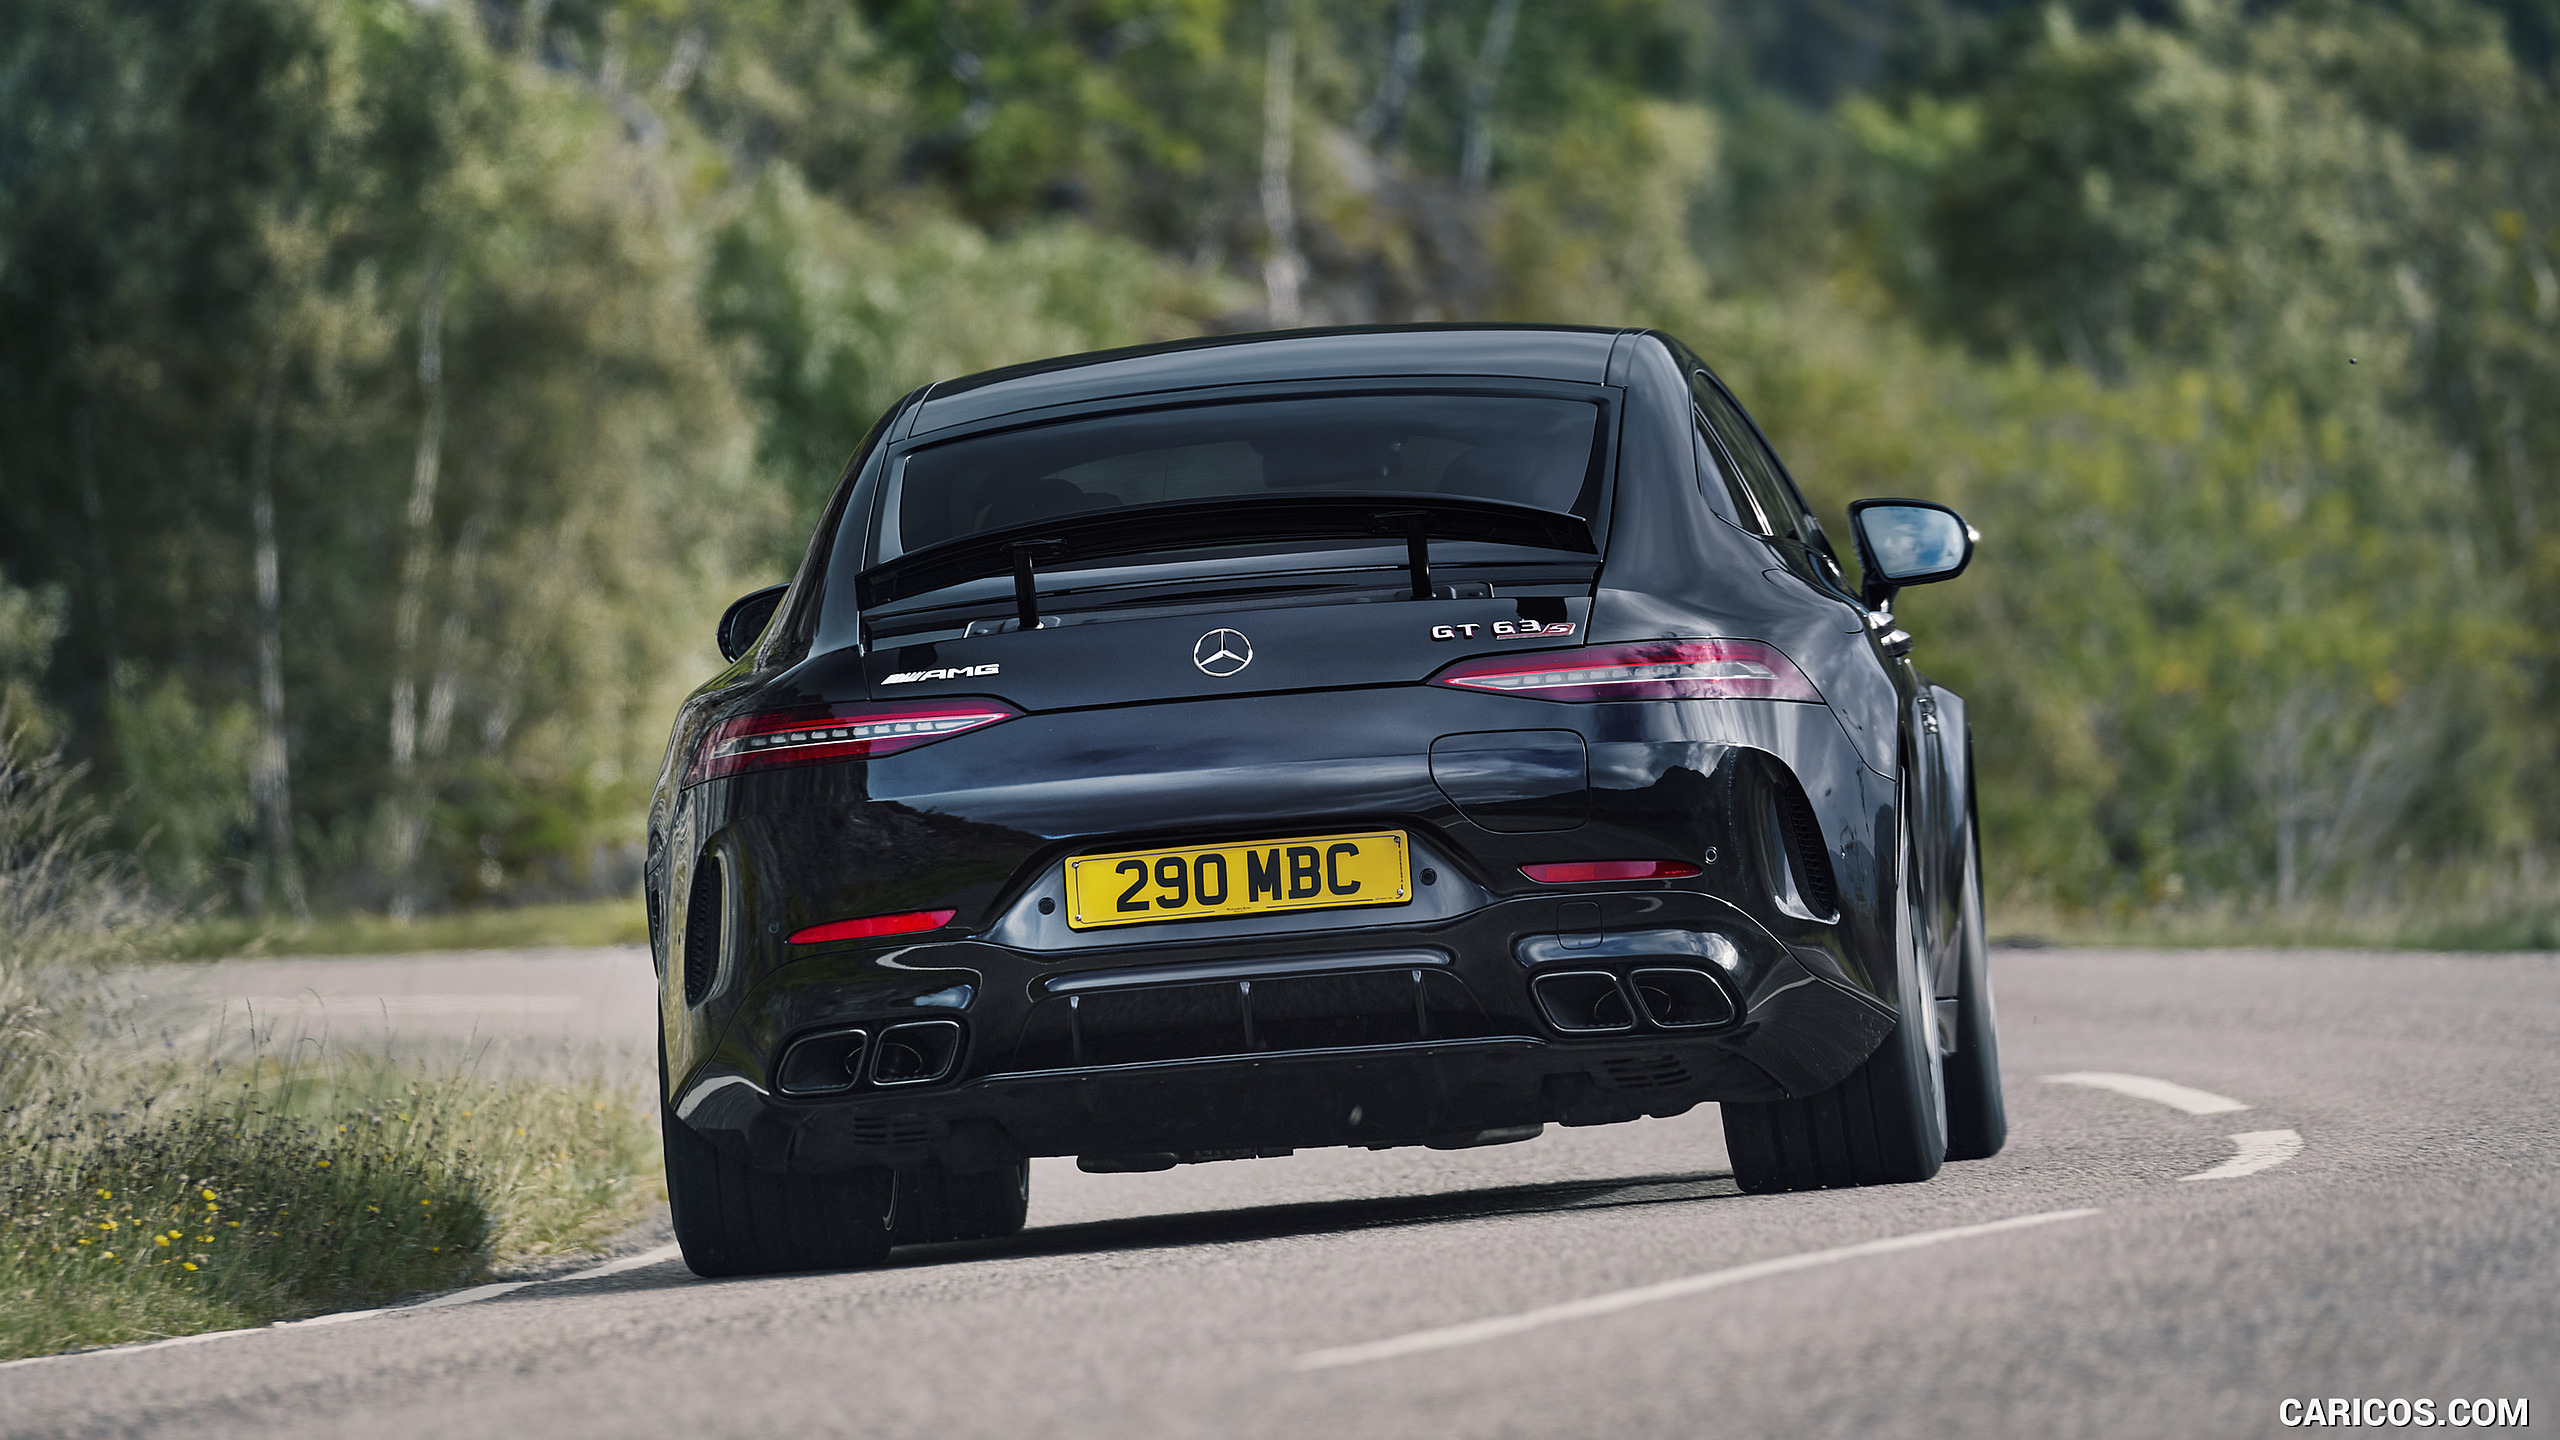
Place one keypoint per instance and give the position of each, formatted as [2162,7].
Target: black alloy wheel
[936,1205]
[733,1219]
[1977,1118]
[1886,1124]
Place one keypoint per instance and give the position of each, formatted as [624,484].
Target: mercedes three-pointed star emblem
[1222,653]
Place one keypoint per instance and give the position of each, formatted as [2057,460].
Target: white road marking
[476,1292]
[593,1272]
[459,1297]
[340,1317]
[2259,1150]
[2143,1087]
[641,1261]
[1476,1331]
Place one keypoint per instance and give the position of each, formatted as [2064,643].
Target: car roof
[1573,353]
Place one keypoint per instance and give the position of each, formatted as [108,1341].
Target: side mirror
[1908,542]
[746,618]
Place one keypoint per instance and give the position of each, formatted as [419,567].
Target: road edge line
[471,1296]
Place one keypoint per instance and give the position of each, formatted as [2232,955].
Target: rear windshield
[1527,450]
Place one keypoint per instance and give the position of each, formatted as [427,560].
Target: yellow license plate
[1319,872]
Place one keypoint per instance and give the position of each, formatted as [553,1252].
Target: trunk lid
[1081,660]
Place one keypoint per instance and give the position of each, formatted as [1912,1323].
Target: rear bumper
[1376,1036]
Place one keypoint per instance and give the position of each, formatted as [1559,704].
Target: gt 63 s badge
[1503,630]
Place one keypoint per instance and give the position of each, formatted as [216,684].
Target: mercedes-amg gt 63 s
[1408,736]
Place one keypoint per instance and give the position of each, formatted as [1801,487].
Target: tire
[935,1205]
[1886,1124]
[733,1219]
[1977,1118]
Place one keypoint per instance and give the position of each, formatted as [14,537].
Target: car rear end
[1235,769]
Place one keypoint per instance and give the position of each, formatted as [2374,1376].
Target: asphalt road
[512,1008]
[2397,1236]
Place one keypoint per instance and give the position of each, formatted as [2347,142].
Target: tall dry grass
[149,1188]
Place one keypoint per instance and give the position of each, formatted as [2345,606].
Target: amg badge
[909,677]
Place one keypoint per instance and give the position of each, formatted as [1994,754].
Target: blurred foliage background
[392,392]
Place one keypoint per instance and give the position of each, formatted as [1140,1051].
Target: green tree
[219,240]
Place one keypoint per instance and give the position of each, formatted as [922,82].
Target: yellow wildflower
[160,1240]
[191,1264]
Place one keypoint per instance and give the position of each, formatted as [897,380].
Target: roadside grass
[148,1190]
[592,922]
[284,1190]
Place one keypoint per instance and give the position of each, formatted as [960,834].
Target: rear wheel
[935,1204]
[1977,1119]
[733,1219]
[1887,1122]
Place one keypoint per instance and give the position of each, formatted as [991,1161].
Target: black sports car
[1409,736]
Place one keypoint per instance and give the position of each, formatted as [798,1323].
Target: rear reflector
[1647,670]
[870,925]
[1575,872]
[810,735]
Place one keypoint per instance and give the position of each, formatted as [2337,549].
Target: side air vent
[1799,837]
[703,929]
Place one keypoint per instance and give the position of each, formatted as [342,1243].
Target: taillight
[1575,872]
[871,925]
[1646,670]
[844,732]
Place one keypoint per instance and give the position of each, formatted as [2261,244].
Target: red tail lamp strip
[1648,670]
[844,732]
[1575,872]
[871,925]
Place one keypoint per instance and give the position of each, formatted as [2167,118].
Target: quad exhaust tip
[916,1053]
[1597,1002]
[1679,998]
[1584,1002]
[830,1062]
[823,1064]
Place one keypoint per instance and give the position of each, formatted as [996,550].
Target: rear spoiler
[1198,524]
